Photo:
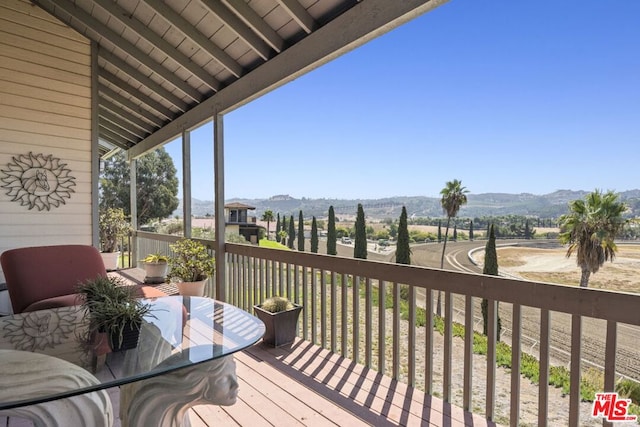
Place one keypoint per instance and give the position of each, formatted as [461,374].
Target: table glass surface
[180,331]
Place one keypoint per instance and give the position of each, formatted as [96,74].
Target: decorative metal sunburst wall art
[38,181]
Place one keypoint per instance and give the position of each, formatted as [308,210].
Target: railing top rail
[596,303]
[170,238]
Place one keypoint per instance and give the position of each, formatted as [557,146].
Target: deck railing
[337,292]
[345,314]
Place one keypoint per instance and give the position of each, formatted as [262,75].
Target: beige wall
[45,101]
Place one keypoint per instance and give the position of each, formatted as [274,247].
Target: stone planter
[281,327]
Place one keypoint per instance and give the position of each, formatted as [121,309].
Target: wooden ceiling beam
[188,30]
[136,75]
[300,15]
[130,105]
[120,122]
[158,42]
[243,11]
[117,130]
[88,22]
[135,93]
[241,29]
[127,116]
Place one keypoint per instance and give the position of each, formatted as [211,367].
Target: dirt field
[552,265]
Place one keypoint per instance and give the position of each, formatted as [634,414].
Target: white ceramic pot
[156,270]
[192,289]
[110,260]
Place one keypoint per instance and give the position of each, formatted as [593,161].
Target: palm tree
[454,195]
[590,229]
[267,216]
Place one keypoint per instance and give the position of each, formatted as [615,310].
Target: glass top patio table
[180,331]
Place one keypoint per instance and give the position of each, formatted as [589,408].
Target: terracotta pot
[192,289]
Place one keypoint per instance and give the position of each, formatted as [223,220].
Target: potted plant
[156,267]
[114,311]
[190,266]
[280,318]
[113,227]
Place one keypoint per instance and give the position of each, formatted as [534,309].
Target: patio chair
[45,277]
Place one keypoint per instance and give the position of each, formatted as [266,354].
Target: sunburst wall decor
[38,181]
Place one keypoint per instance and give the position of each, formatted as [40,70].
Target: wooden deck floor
[308,386]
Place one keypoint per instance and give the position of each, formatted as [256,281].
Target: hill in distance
[549,205]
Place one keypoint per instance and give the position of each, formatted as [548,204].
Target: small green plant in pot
[156,267]
[114,311]
[190,266]
[280,318]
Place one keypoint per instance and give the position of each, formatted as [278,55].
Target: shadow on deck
[307,385]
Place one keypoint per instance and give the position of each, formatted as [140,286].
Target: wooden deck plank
[375,398]
[210,415]
[292,396]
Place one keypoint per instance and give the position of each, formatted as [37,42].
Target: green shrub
[629,389]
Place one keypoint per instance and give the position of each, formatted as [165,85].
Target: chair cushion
[43,272]
[47,276]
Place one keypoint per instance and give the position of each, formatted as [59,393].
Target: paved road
[593,330]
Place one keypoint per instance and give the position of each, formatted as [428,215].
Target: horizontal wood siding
[45,108]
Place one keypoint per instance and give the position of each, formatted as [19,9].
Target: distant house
[238,221]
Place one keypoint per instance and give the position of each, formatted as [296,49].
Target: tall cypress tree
[439,231]
[300,232]
[331,233]
[403,251]
[292,233]
[527,230]
[278,228]
[490,268]
[314,236]
[360,249]
[471,231]
[284,228]
[455,232]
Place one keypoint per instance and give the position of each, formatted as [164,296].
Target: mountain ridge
[549,205]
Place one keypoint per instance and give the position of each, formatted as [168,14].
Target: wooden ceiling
[165,66]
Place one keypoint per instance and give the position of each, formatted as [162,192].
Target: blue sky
[507,96]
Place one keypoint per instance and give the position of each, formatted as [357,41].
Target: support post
[186,183]
[218,163]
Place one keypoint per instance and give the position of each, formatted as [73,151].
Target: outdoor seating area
[86,81]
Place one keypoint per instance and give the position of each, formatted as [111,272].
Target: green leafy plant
[190,261]
[276,304]
[112,307]
[95,291]
[113,226]
[156,258]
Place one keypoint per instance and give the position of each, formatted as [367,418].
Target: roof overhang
[168,66]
